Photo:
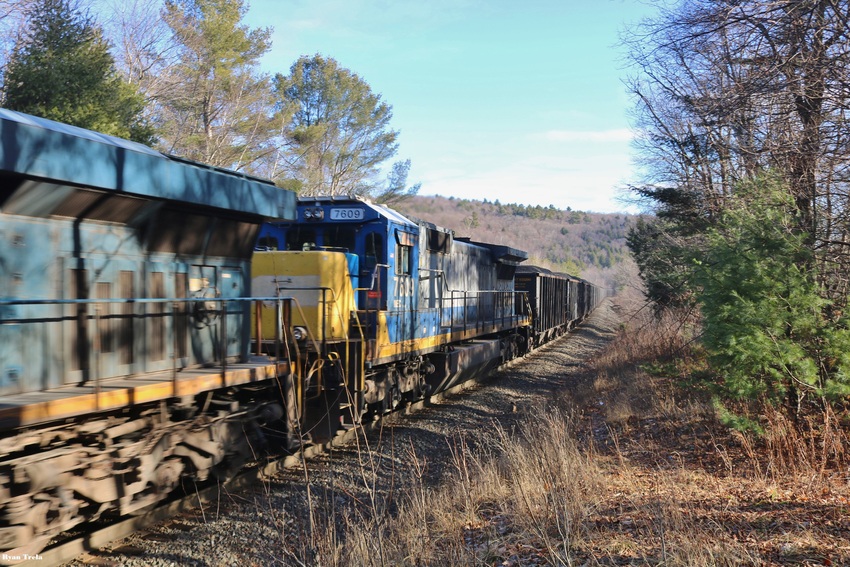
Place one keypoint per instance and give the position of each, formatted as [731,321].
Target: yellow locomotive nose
[319,285]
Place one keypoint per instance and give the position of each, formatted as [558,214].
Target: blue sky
[517,101]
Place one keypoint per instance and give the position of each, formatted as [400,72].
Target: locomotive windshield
[298,238]
[369,245]
[341,238]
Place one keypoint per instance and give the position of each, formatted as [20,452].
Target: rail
[327,300]
[478,309]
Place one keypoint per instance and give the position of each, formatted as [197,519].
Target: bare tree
[142,41]
[211,101]
[12,19]
[727,89]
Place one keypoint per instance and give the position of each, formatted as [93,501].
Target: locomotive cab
[360,256]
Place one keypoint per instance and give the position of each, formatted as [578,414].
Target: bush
[765,323]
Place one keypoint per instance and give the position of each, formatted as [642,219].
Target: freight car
[558,301]
[124,335]
[144,342]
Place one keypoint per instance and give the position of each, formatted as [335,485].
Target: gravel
[256,527]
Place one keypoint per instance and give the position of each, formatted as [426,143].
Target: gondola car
[589,297]
[553,298]
[124,328]
[558,301]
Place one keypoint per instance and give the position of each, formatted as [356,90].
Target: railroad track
[67,550]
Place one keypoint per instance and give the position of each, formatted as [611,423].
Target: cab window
[403,260]
[301,239]
[339,237]
[267,243]
[374,245]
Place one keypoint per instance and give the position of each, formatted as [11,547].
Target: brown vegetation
[626,467]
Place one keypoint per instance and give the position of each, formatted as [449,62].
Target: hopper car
[558,301]
[163,321]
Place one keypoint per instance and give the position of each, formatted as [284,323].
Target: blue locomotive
[162,320]
[398,308]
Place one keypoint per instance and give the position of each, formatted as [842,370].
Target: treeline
[742,109]
[581,243]
[528,211]
[183,76]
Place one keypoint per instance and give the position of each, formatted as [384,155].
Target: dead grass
[625,468]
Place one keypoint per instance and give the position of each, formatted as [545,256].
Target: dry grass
[625,468]
[525,494]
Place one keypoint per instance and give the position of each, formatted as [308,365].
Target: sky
[515,101]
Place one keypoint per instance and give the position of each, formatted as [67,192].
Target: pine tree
[769,333]
[337,130]
[215,105]
[61,69]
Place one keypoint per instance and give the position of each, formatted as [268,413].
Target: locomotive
[162,321]
[387,308]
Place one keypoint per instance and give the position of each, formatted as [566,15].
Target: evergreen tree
[337,130]
[214,104]
[61,69]
[770,334]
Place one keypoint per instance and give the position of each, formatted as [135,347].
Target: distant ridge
[590,245]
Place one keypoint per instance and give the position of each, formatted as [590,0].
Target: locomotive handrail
[142,300]
[325,301]
[498,308]
[376,276]
[92,330]
[324,314]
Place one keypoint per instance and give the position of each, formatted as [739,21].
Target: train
[162,322]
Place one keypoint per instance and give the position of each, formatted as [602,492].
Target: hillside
[589,245]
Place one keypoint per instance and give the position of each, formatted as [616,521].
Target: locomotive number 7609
[347,214]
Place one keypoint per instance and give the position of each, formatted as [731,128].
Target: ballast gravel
[263,526]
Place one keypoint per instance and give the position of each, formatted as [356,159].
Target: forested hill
[590,245]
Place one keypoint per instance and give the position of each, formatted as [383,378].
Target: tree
[663,259]
[770,334]
[727,90]
[12,19]
[396,188]
[336,131]
[61,69]
[215,106]
[743,109]
[145,45]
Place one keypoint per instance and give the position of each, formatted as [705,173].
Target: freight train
[163,321]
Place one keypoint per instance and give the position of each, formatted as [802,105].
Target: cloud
[591,188]
[617,135]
